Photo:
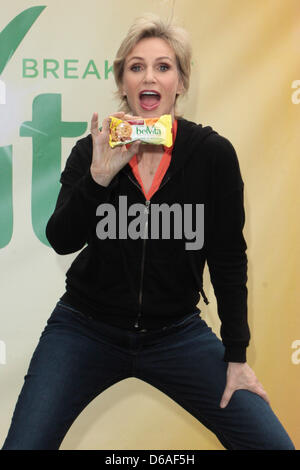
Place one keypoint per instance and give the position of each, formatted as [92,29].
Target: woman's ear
[180,88]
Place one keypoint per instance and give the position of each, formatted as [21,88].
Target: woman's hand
[241,376]
[107,162]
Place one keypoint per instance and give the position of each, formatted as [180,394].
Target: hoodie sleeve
[74,215]
[226,249]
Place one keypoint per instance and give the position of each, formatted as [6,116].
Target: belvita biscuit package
[157,131]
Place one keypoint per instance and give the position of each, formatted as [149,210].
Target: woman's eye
[135,68]
[138,67]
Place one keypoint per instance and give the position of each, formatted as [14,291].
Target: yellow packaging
[157,131]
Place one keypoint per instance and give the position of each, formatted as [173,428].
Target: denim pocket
[185,321]
[68,307]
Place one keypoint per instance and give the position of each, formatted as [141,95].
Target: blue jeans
[78,357]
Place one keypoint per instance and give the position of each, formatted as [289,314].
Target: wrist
[101,178]
[236,365]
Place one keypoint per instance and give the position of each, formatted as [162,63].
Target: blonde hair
[147,26]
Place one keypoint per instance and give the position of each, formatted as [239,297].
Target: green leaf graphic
[12,35]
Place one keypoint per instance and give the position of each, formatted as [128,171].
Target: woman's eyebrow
[158,58]
[164,57]
[135,58]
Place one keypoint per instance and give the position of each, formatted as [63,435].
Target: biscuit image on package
[122,132]
[157,131]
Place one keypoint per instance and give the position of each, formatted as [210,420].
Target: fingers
[105,126]
[241,377]
[259,390]
[94,124]
[228,392]
[127,117]
[133,149]
[106,121]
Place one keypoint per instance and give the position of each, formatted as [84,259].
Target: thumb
[133,149]
[226,397]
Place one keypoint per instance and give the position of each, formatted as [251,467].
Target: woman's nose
[149,76]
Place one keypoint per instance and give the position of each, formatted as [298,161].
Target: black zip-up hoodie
[149,282]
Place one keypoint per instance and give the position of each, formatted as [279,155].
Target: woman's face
[151,79]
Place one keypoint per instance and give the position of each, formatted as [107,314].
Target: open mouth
[149,99]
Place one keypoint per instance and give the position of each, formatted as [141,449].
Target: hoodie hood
[189,137]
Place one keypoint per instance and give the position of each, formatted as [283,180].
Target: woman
[130,305]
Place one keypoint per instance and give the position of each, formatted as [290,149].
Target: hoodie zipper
[147,206]
[146,212]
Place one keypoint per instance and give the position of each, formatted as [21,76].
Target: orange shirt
[161,170]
